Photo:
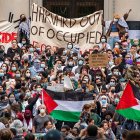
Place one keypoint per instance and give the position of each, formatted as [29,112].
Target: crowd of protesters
[26,69]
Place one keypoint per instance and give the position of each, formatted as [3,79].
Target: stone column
[109,9]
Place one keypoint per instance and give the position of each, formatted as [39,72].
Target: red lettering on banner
[42,46]
[7,37]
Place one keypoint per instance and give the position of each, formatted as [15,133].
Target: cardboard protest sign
[98,60]
[51,29]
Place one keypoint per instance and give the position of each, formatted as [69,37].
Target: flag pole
[42,97]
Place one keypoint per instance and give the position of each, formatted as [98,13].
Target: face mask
[48,54]
[14,69]
[70,63]
[126,36]
[38,89]
[86,80]
[72,77]
[116,73]
[42,65]
[108,118]
[115,20]
[63,134]
[1,51]
[117,46]
[64,52]
[129,61]
[7,115]
[125,44]
[17,75]
[74,58]
[14,44]
[52,77]
[23,42]
[28,75]
[37,65]
[99,83]
[116,100]
[62,81]
[71,52]
[25,61]
[103,40]
[136,43]
[42,111]
[38,77]
[28,94]
[128,66]
[80,62]
[93,110]
[69,46]
[31,49]
[84,86]
[111,63]
[1,74]
[4,68]
[38,49]
[12,100]
[112,91]
[103,101]
[112,84]
[59,65]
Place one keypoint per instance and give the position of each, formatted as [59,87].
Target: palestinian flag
[48,101]
[129,105]
[134,29]
[69,104]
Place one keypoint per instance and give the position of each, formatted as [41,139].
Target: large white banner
[10,12]
[8,32]
[51,29]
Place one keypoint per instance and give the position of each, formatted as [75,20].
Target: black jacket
[31,105]
[11,52]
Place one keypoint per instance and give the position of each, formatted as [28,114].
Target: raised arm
[103,22]
[127,14]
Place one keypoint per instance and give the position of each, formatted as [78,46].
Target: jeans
[112,40]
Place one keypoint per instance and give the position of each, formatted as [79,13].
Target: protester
[40,119]
[133,135]
[5,134]
[36,84]
[53,135]
[24,30]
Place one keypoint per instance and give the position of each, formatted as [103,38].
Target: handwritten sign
[98,60]
[51,29]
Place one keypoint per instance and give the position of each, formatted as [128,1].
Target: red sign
[7,37]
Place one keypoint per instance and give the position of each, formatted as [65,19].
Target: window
[73,8]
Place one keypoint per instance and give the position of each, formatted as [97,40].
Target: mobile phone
[29,57]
